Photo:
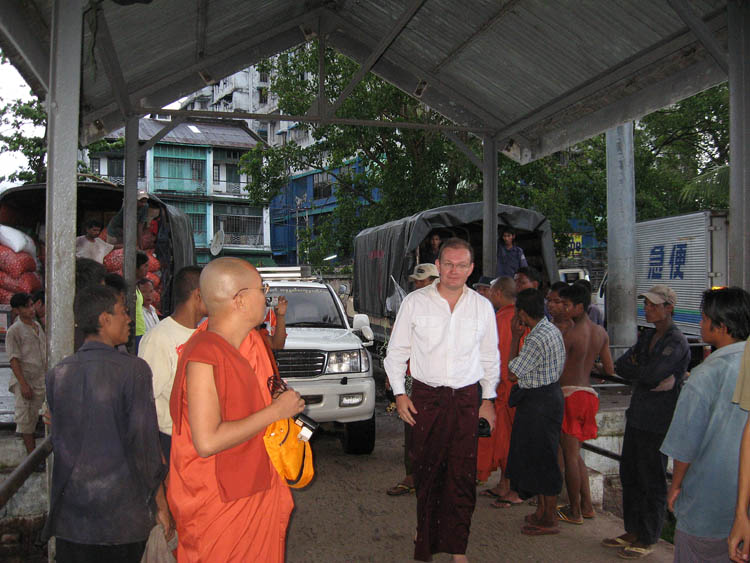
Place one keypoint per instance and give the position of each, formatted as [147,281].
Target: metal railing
[21,473]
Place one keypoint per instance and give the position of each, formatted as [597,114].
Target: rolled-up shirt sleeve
[399,348]
[489,355]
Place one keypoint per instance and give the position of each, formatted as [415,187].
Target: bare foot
[460,558]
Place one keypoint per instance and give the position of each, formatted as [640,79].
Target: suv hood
[328,339]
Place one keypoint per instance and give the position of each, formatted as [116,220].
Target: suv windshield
[309,307]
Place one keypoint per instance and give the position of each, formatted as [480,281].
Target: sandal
[633,552]
[564,515]
[504,503]
[489,493]
[530,530]
[616,542]
[399,490]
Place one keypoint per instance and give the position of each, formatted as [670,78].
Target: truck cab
[324,358]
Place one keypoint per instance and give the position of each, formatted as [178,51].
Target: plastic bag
[16,240]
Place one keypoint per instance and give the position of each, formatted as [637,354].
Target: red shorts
[580,415]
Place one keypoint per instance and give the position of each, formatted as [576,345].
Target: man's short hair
[140,258]
[531,302]
[557,286]
[506,286]
[729,306]
[585,283]
[89,272]
[143,281]
[505,229]
[91,302]
[456,242]
[576,293]
[531,273]
[38,296]
[19,300]
[185,282]
[91,223]
[116,282]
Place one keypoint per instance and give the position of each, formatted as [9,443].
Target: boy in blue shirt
[704,436]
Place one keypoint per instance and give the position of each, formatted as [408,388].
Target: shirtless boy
[584,342]
[557,309]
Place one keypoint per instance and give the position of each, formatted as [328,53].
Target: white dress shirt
[444,348]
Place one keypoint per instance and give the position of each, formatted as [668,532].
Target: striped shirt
[541,360]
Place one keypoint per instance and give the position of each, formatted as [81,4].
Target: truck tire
[359,437]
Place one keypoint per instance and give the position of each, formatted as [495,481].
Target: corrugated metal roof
[194,133]
[540,74]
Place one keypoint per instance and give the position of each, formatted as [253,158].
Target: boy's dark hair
[38,296]
[729,306]
[557,286]
[531,301]
[531,273]
[94,223]
[185,282]
[91,302]
[19,300]
[456,242]
[116,282]
[576,293]
[89,272]
[505,229]
[585,283]
[143,281]
[140,258]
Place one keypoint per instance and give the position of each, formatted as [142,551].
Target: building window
[196,213]
[179,175]
[262,96]
[242,224]
[115,169]
[95,166]
[217,174]
[263,76]
[322,185]
[141,168]
[233,179]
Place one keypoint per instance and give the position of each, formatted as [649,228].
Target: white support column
[621,297]
[209,221]
[266,228]
[739,139]
[489,194]
[62,112]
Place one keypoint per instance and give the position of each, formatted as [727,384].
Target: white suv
[326,360]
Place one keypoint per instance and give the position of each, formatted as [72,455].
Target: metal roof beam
[163,132]
[628,68]
[201,25]
[318,119]
[105,48]
[377,52]
[450,57]
[13,25]
[701,31]
[464,148]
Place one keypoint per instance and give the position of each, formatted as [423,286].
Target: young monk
[584,342]
[228,501]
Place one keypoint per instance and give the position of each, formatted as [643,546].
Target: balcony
[230,188]
[178,186]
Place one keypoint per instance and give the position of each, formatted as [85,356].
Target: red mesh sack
[113,261]
[153,262]
[31,282]
[154,279]
[15,263]
[5,296]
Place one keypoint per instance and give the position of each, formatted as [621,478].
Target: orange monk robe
[249,528]
[493,451]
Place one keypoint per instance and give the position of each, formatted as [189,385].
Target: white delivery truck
[686,252]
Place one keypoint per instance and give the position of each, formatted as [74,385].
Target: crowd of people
[172,439]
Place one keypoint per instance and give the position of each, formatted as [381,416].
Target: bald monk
[228,501]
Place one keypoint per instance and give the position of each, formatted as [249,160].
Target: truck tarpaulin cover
[389,250]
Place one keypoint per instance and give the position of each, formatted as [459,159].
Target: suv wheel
[359,437]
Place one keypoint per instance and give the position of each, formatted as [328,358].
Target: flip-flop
[504,503]
[633,552]
[615,542]
[489,493]
[400,489]
[564,515]
[529,530]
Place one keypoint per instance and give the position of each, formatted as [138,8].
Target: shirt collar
[94,345]
[728,349]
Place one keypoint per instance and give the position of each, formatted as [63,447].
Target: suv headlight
[348,361]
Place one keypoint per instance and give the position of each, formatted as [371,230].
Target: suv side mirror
[361,323]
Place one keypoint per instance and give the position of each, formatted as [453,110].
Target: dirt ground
[345,515]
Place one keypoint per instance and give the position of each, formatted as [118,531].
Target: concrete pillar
[130,205]
[489,195]
[62,142]
[739,140]
[621,296]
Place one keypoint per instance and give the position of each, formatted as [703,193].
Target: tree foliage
[17,118]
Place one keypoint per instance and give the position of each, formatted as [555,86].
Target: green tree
[16,119]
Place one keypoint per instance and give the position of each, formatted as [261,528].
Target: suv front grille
[300,363]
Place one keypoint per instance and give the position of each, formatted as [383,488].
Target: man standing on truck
[448,334]
[509,256]
[584,342]
[655,365]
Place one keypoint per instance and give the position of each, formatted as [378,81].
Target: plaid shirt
[541,360]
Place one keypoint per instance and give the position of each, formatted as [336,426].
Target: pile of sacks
[113,263]
[19,266]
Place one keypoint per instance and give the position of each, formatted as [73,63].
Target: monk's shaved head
[222,278]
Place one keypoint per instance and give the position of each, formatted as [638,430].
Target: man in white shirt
[449,334]
[90,245]
[161,345]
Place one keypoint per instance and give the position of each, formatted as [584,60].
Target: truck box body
[686,252]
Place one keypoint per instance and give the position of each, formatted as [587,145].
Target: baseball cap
[142,194]
[484,280]
[659,294]
[424,271]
